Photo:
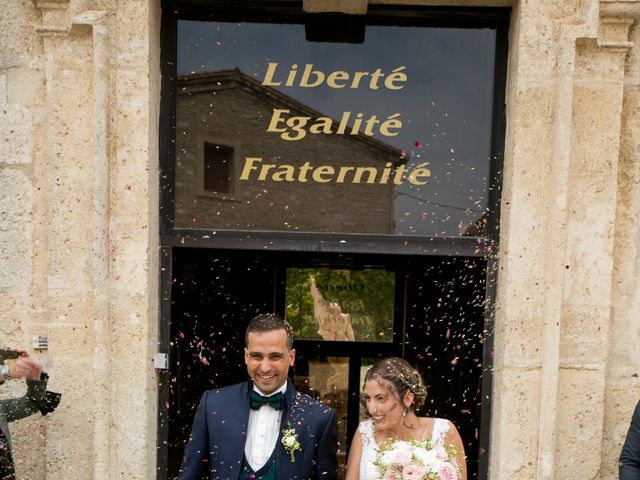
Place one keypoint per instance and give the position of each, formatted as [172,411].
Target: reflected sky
[445,105]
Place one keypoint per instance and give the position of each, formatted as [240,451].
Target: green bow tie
[256,400]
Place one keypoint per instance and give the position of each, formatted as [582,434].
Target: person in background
[28,368]
[262,429]
[629,466]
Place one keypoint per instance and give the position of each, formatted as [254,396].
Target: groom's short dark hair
[266,322]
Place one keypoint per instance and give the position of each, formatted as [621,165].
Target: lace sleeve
[440,429]
[368,470]
[367,434]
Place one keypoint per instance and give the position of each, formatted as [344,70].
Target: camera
[8,354]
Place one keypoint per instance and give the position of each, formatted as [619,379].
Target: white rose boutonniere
[290,441]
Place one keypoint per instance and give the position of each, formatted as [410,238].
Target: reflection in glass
[343,305]
[365,365]
[301,134]
[328,382]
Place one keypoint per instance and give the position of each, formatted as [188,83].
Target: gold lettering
[285,172]
[344,123]
[415,177]
[291,78]
[304,169]
[357,77]
[294,127]
[322,125]
[276,118]
[255,169]
[375,76]
[322,170]
[390,123]
[312,78]
[369,124]
[308,71]
[342,172]
[264,170]
[400,171]
[334,77]
[249,166]
[296,124]
[268,77]
[384,178]
[395,76]
[356,124]
[372,171]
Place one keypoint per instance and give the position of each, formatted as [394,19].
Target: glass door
[347,312]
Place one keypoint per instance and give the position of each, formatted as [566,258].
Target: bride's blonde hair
[402,377]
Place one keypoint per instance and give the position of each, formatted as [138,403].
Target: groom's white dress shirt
[263,431]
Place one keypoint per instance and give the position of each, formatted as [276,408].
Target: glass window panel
[365,365]
[343,305]
[328,382]
[326,138]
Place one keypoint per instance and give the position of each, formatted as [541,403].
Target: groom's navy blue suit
[630,456]
[216,448]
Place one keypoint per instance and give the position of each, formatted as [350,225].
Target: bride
[393,391]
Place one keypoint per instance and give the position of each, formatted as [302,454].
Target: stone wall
[79,93]
[79,101]
[561,233]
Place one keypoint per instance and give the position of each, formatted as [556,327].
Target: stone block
[519,334]
[514,429]
[31,432]
[15,229]
[579,424]
[21,45]
[71,427]
[11,317]
[15,201]
[536,48]
[133,44]
[16,134]
[25,86]
[584,336]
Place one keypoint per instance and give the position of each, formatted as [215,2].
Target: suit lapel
[284,467]
[234,434]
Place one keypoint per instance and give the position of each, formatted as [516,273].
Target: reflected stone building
[222,148]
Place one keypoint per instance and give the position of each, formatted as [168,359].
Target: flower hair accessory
[290,441]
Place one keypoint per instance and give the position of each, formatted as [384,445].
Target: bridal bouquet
[416,460]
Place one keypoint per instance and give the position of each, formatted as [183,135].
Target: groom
[262,429]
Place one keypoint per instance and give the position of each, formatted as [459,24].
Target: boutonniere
[290,441]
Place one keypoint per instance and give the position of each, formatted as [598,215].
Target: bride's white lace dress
[368,470]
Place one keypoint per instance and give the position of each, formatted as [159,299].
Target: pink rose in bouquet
[441,453]
[413,472]
[447,472]
[401,456]
[416,460]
